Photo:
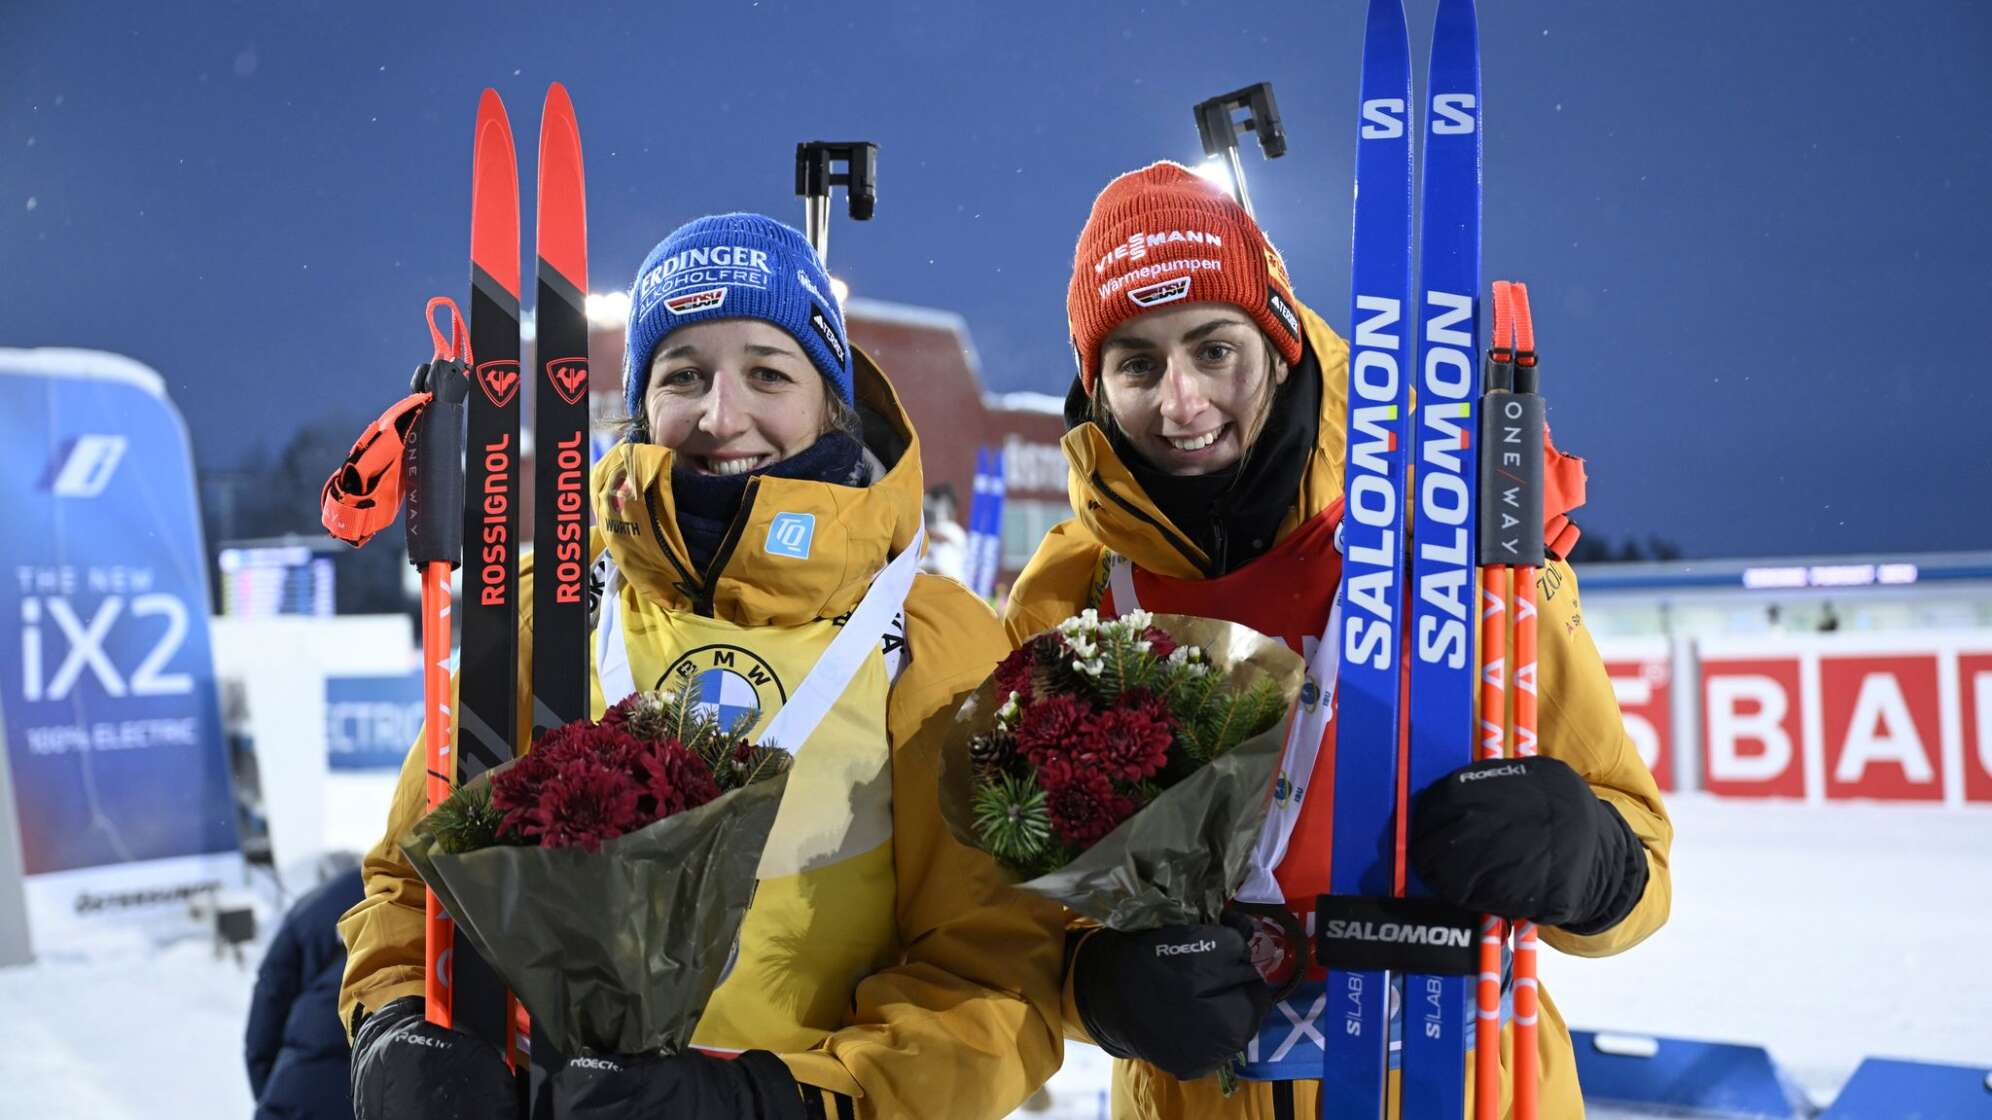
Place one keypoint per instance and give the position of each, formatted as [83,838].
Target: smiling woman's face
[733,395]
[1188,385]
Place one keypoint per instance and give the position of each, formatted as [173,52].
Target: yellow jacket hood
[1111,507]
[854,529]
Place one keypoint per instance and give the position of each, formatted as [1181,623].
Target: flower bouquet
[1124,767]
[605,874]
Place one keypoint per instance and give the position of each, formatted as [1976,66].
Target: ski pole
[1218,128]
[1511,547]
[1526,380]
[435,546]
[815,174]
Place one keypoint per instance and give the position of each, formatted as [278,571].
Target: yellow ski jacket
[951,1008]
[1579,717]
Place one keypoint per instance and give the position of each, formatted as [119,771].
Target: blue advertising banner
[370,722]
[107,698]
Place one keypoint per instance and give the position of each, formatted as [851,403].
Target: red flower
[675,778]
[1159,642]
[1086,809]
[1051,725]
[1131,739]
[1013,674]
[585,802]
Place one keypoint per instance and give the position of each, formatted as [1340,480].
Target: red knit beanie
[1163,235]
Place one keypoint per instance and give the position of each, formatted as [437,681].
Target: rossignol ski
[1435,1008]
[560,445]
[560,425]
[487,683]
[1368,713]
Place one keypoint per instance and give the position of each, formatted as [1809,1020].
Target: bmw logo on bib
[730,682]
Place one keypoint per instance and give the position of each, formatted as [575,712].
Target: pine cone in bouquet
[1124,766]
[605,873]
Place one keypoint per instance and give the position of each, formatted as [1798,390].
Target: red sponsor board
[1752,732]
[1881,727]
[1974,679]
[1645,691]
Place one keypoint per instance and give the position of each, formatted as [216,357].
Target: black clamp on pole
[1218,126]
[433,466]
[816,173]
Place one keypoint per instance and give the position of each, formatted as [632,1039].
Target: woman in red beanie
[1206,447]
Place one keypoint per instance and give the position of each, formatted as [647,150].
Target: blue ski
[1437,1010]
[1356,1022]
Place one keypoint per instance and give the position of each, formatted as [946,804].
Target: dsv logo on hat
[707,300]
[1168,291]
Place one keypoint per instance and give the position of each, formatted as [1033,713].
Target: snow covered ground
[1826,934]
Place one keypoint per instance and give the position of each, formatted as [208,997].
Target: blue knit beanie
[735,266]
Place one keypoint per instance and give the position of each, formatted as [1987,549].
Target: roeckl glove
[407,1068]
[755,1085]
[1527,838]
[1182,998]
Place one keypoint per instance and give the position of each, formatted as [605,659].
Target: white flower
[1143,646]
[1138,620]
[1008,712]
[1082,648]
[1086,621]
[1091,668]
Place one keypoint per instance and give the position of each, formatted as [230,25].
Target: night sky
[1758,235]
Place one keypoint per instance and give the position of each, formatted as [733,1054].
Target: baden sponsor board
[1887,716]
[107,699]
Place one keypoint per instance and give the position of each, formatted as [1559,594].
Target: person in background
[947,541]
[293,1045]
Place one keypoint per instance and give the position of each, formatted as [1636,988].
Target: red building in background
[933,364]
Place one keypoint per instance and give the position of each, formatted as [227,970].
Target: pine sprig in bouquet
[605,873]
[1124,766]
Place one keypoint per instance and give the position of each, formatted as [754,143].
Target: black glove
[1526,838]
[689,1086]
[1182,998]
[407,1068]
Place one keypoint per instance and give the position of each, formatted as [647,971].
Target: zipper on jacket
[703,603]
[703,591]
[1170,535]
[688,584]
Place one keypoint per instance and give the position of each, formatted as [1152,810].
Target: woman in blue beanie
[767,499]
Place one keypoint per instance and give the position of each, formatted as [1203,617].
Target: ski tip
[557,101]
[563,208]
[494,196]
[491,107]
